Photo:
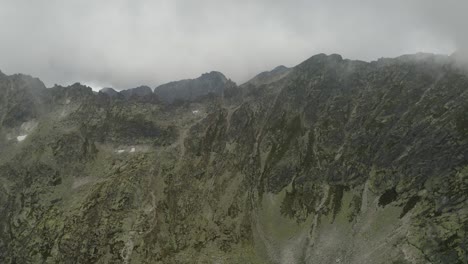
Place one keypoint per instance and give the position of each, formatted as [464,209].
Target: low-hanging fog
[125,43]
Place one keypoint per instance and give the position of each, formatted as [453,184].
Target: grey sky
[125,43]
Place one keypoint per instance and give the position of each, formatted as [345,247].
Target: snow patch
[68,101]
[21,138]
[120,151]
[132,150]
[195,112]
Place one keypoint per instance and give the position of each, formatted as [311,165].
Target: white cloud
[126,43]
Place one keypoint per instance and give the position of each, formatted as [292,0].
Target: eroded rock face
[338,161]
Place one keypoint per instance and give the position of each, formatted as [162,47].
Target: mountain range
[330,161]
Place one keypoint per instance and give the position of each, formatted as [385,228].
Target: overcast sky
[125,43]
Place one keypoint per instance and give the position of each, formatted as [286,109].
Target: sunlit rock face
[332,161]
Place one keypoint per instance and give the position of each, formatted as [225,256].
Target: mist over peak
[124,44]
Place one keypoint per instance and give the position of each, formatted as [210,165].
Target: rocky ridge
[332,161]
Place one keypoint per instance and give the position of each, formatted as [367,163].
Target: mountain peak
[213,75]
[270,76]
[140,91]
[212,82]
[323,58]
[111,92]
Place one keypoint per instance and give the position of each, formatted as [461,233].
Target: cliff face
[337,161]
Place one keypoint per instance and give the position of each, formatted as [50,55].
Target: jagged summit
[22,97]
[279,68]
[267,77]
[324,57]
[190,89]
[141,91]
[213,76]
[320,60]
[111,92]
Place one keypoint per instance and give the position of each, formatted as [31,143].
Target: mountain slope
[339,161]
